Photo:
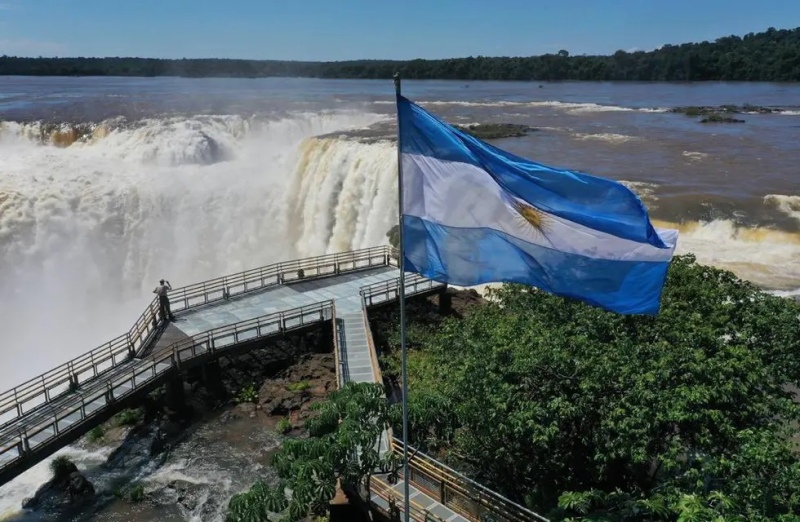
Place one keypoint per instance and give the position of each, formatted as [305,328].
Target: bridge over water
[227,316]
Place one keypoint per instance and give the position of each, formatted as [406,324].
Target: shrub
[61,467]
[247,394]
[129,417]
[298,386]
[284,426]
[136,493]
[96,434]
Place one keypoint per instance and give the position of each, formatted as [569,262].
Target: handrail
[228,286]
[373,353]
[172,357]
[393,498]
[336,355]
[390,290]
[70,375]
[461,493]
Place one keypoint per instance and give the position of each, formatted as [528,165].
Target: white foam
[786,293]
[24,486]
[87,230]
[789,205]
[766,257]
[694,156]
[571,107]
[644,189]
[607,137]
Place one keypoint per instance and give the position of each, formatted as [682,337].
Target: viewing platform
[228,316]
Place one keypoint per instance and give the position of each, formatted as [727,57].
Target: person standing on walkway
[163,301]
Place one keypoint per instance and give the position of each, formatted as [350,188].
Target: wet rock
[228,417]
[165,434]
[67,490]
[79,487]
[495,131]
[186,494]
[294,389]
[706,110]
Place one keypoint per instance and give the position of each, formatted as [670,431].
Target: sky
[354,29]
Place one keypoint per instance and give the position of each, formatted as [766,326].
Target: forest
[772,55]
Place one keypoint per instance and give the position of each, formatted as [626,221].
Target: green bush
[284,426]
[355,416]
[136,493]
[96,434]
[298,386]
[129,417]
[247,394]
[61,466]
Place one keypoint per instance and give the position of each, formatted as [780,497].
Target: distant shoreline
[770,56]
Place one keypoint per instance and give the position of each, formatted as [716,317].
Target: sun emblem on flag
[532,216]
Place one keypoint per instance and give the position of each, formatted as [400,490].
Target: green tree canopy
[350,421]
[773,55]
[687,414]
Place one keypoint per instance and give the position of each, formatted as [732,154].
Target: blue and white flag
[475,214]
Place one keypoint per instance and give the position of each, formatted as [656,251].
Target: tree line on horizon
[772,55]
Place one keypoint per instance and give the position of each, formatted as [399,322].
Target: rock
[715,118]
[228,416]
[165,433]
[68,489]
[186,493]
[287,404]
[705,110]
[494,131]
[79,488]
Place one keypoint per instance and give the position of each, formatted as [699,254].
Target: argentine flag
[475,214]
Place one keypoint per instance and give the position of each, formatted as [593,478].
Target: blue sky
[351,29]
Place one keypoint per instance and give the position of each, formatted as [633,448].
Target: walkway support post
[212,378]
[445,302]
[174,394]
[402,298]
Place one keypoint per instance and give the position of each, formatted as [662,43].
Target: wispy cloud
[28,47]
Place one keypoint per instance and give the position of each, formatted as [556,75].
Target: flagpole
[402,266]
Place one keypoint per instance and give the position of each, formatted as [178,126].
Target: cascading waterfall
[87,230]
[343,195]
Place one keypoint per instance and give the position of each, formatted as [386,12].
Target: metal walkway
[229,315]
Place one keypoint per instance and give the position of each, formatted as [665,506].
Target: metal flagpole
[402,266]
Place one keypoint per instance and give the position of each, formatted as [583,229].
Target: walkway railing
[462,495]
[73,412]
[257,279]
[387,291]
[69,376]
[338,357]
[396,503]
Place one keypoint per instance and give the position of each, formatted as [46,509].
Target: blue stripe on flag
[594,202]
[472,256]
